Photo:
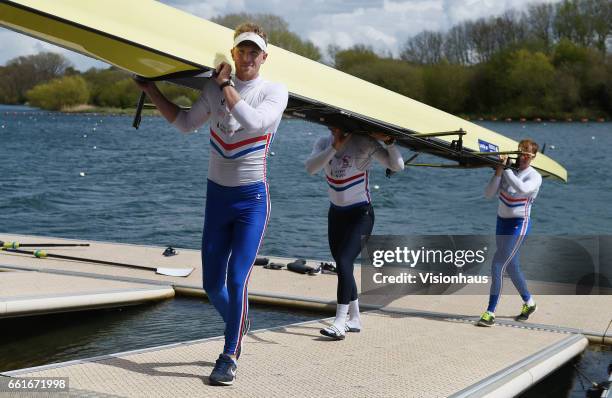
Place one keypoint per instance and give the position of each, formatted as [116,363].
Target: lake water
[91,333]
[95,177]
[148,186]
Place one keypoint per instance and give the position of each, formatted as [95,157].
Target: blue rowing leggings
[511,232]
[345,228]
[234,224]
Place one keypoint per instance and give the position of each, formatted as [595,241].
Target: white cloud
[376,35]
[459,11]
[412,6]
[324,38]
[15,45]
[383,24]
[210,8]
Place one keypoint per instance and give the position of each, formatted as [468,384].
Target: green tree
[99,81]
[121,94]
[591,71]
[606,99]
[565,92]
[567,53]
[59,93]
[529,82]
[349,58]
[392,74]
[292,42]
[447,86]
[172,91]
[22,73]
[487,88]
[596,80]
[277,30]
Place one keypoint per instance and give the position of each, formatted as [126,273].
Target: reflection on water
[572,379]
[40,340]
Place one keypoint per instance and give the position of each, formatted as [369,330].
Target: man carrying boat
[244,114]
[346,160]
[516,191]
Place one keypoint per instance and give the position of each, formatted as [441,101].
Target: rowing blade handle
[138,115]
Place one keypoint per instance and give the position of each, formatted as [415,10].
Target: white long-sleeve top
[516,192]
[346,170]
[240,138]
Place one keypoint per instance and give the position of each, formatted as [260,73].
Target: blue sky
[383,24]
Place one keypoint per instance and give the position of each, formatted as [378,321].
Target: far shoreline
[149,111]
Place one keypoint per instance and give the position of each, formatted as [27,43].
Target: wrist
[229,82]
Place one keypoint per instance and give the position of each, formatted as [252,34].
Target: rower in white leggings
[346,160]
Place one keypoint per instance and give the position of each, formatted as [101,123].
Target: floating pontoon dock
[416,346]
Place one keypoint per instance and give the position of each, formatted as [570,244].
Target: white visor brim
[251,36]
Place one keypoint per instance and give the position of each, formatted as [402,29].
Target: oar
[17,245]
[389,172]
[182,272]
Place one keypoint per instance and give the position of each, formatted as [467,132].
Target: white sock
[530,302]
[491,313]
[354,318]
[341,313]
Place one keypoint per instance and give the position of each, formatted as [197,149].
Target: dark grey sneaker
[526,310]
[487,319]
[333,332]
[245,330]
[224,372]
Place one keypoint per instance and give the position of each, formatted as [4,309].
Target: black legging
[344,230]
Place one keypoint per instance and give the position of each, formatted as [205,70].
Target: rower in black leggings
[346,160]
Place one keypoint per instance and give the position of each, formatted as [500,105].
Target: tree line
[552,60]
[571,81]
[586,23]
[48,81]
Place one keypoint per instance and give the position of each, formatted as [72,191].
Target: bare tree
[540,23]
[481,38]
[508,29]
[268,22]
[572,23]
[600,21]
[456,46]
[424,48]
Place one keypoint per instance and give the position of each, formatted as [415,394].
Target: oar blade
[180,272]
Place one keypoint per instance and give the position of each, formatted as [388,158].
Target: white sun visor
[251,36]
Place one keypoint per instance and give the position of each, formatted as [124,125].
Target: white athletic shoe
[333,332]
